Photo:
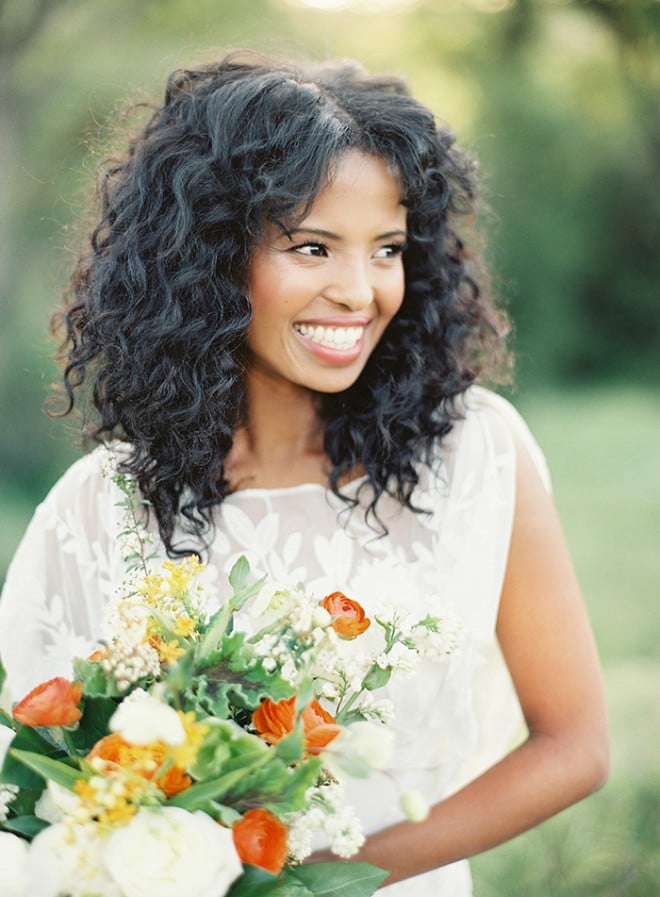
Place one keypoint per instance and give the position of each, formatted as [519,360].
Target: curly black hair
[157,312]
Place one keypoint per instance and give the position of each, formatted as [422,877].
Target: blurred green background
[560,101]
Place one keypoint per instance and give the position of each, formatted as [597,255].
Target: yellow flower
[184,627]
[111,799]
[173,579]
[168,652]
[186,754]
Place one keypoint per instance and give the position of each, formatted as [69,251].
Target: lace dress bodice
[451,720]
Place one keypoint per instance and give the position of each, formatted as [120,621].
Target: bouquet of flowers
[192,755]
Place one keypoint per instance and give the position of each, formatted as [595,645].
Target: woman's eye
[316,250]
[390,251]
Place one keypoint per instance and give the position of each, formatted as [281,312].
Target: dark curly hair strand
[157,312]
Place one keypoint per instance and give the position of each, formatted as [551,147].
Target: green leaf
[30,826]
[306,691]
[340,879]
[258,883]
[224,814]
[376,678]
[290,796]
[93,724]
[15,773]
[227,747]
[23,803]
[95,681]
[238,575]
[233,678]
[220,622]
[194,797]
[3,675]
[291,748]
[212,790]
[48,768]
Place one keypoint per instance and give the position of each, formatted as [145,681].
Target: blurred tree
[574,166]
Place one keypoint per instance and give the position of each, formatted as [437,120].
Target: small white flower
[414,805]
[288,671]
[345,833]
[269,664]
[7,794]
[169,852]
[381,710]
[141,719]
[329,691]
[326,812]
[437,638]
[402,660]
[14,865]
[109,464]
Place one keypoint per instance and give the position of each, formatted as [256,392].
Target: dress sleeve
[60,579]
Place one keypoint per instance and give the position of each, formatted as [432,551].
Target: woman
[282,320]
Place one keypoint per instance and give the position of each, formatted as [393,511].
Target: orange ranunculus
[53,703]
[144,760]
[319,727]
[100,654]
[260,840]
[275,719]
[350,620]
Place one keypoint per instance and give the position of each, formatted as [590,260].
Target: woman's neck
[281,442]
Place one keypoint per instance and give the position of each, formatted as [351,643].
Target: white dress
[451,722]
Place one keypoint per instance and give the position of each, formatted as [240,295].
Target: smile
[331,337]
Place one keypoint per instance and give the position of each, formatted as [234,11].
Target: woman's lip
[335,322]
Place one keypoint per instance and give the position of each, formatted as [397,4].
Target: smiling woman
[282,327]
[324,290]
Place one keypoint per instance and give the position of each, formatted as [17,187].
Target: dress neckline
[274,491]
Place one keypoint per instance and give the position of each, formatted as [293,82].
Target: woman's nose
[351,285]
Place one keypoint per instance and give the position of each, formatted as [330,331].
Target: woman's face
[323,294]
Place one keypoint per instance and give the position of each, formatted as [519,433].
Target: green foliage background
[559,100]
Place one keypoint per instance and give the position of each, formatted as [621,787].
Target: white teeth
[332,337]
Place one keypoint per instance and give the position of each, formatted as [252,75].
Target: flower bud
[414,805]
[321,617]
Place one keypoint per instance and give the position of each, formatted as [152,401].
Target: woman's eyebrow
[330,235]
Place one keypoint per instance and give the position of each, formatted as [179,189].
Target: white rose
[169,852]
[67,860]
[143,719]
[13,862]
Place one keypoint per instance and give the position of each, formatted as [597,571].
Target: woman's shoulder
[86,489]
[487,416]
